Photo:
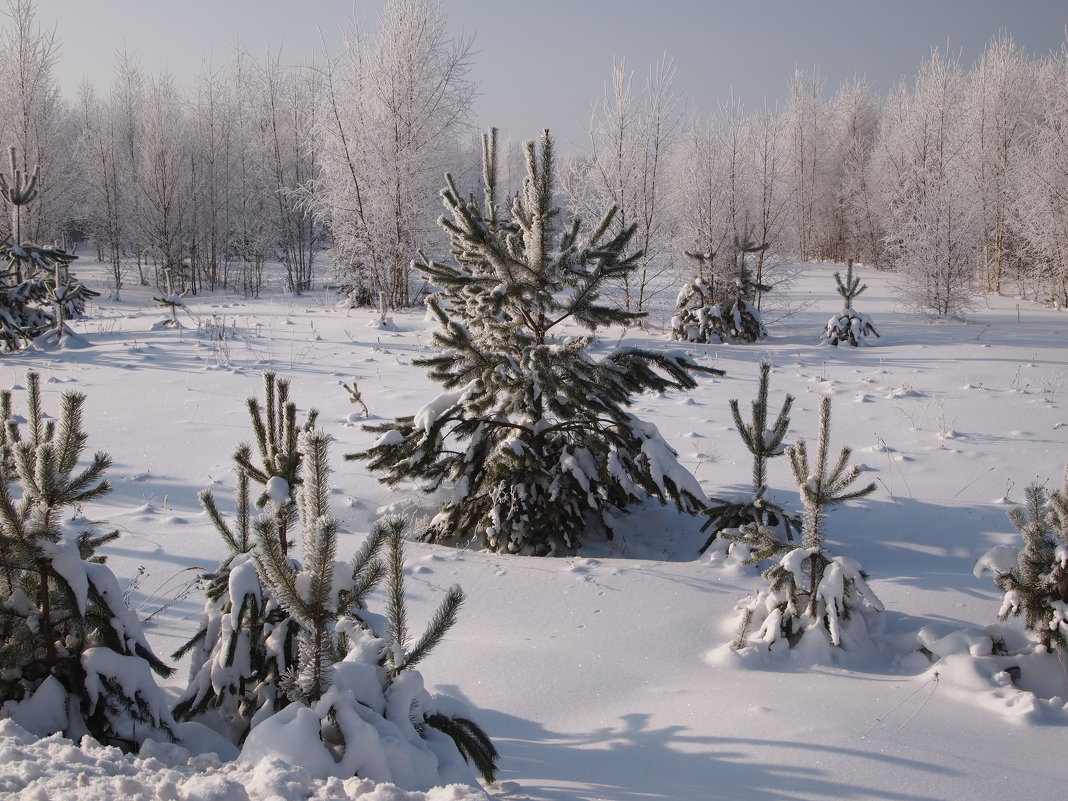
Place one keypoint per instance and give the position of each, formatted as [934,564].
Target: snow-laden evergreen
[38,294]
[730,314]
[73,657]
[530,440]
[764,442]
[811,588]
[286,650]
[849,325]
[1034,578]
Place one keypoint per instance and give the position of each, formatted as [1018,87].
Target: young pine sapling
[736,518]
[810,587]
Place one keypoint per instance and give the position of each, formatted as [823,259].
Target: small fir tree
[531,431]
[1036,584]
[38,293]
[283,642]
[849,325]
[763,442]
[73,657]
[810,587]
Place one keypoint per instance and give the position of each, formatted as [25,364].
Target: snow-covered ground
[606,676]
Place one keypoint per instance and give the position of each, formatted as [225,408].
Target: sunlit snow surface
[609,675]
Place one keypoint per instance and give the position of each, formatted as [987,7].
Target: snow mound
[54,767]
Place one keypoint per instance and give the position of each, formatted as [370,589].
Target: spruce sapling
[763,442]
[73,657]
[811,588]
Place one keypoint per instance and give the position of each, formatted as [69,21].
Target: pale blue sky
[542,63]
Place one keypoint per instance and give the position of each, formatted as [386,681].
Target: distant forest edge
[956,180]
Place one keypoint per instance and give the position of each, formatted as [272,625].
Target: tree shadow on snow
[632,760]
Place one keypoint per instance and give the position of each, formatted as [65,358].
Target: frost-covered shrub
[1034,578]
[73,657]
[810,587]
[530,438]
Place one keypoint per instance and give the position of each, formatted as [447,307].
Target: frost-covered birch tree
[630,138]
[932,214]
[1040,209]
[1002,98]
[396,106]
[37,122]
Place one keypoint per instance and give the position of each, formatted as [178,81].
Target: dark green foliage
[851,287]
[727,312]
[740,318]
[764,443]
[531,434]
[471,741]
[64,616]
[399,655]
[1036,587]
[275,428]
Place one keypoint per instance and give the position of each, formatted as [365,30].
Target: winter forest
[348,450]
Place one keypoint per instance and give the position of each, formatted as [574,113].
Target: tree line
[955,179]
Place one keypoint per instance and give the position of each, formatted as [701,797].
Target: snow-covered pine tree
[763,442]
[849,325]
[531,431]
[38,294]
[358,684]
[1036,584]
[697,315]
[73,657]
[246,641]
[740,317]
[810,587]
[276,430]
[727,313]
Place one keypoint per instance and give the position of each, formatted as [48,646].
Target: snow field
[606,676]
